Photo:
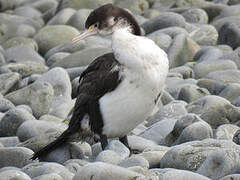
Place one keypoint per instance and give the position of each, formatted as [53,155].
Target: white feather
[145,67]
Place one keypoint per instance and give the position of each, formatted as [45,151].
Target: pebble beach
[195,135]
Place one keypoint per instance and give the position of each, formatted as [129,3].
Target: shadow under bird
[118,90]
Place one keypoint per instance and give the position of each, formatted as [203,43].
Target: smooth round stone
[187,4]
[74,165]
[50,176]
[79,18]
[151,13]
[44,5]
[164,20]
[43,168]
[205,35]
[81,58]
[178,51]
[27,68]
[226,131]
[225,76]
[16,41]
[137,7]
[5,105]
[75,72]
[12,120]
[56,57]
[105,171]
[8,81]
[203,68]
[62,102]
[166,98]
[191,155]
[139,143]
[190,93]
[186,71]
[170,173]
[134,161]
[231,177]
[153,157]
[119,148]
[170,111]
[33,128]
[159,130]
[229,11]
[48,37]
[109,156]
[214,110]
[91,4]
[22,53]
[208,53]
[14,174]
[62,16]
[231,91]
[5,5]
[15,156]
[9,141]
[214,87]
[231,20]
[25,107]
[190,128]
[195,15]
[2,59]
[39,96]
[229,34]
[219,163]
[29,12]
[161,39]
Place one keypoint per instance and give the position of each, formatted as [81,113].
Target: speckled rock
[214,110]
[42,168]
[12,120]
[16,41]
[8,81]
[38,96]
[61,103]
[226,131]
[105,171]
[164,20]
[78,19]
[22,53]
[81,58]
[220,163]
[5,105]
[48,37]
[27,68]
[31,129]
[62,17]
[14,174]
[15,156]
[205,35]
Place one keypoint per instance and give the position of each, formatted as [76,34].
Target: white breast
[145,70]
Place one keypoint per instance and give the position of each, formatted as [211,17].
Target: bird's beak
[86,33]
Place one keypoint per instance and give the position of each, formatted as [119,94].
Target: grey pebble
[236,137]
[50,176]
[109,156]
[105,171]
[231,177]
[62,16]
[195,15]
[139,143]
[225,76]
[14,174]
[226,131]
[8,81]
[75,72]
[15,156]
[5,105]
[43,168]
[39,96]
[119,148]
[12,120]
[186,71]
[56,57]
[44,5]
[213,86]
[161,39]
[134,160]
[164,20]
[231,91]
[91,4]
[16,41]
[9,141]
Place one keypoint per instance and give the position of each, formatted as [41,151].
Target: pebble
[137,7]
[62,17]
[14,174]
[39,96]
[231,177]
[8,81]
[213,86]
[214,110]
[226,131]
[105,171]
[15,156]
[17,41]
[61,104]
[225,76]
[50,176]
[44,5]
[236,137]
[42,168]
[5,105]
[231,91]
[9,141]
[22,53]
[12,120]
[56,57]
[195,15]
[109,156]
[164,20]
[162,40]
[91,4]
[119,148]
[48,37]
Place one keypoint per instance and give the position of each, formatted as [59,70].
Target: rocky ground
[189,138]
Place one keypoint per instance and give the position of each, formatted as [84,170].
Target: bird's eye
[96,25]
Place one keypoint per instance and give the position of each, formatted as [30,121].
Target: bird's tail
[53,145]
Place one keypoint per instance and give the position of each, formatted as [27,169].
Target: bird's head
[106,19]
